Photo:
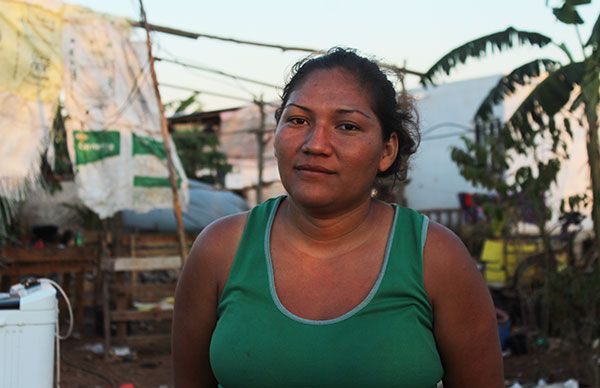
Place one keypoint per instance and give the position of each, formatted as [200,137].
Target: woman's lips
[311,168]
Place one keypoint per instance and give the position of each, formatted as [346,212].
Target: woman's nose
[317,140]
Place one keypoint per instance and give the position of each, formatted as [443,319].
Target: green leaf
[545,100]
[575,3]
[183,105]
[478,48]
[566,50]
[567,14]
[509,83]
[567,126]
[594,39]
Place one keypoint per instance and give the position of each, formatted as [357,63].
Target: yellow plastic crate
[495,277]
[501,263]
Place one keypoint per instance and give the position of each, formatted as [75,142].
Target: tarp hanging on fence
[113,130]
[31,70]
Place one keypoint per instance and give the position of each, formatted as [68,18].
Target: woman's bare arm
[196,297]
[465,325]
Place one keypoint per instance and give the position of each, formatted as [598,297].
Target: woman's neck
[341,228]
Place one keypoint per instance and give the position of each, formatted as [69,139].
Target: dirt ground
[152,368]
[80,367]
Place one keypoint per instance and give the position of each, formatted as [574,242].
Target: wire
[455,134]
[134,90]
[64,295]
[189,68]
[69,331]
[215,71]
[446,124]
[205,92]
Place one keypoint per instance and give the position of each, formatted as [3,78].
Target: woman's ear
[390,151]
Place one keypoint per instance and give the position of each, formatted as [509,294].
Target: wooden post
[260,139]
[166,142]
[106,315]
[593,146]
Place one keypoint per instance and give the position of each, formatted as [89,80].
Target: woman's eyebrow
[298,106]
[339,111]
[348,111]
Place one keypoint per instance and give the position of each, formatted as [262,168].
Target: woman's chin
[313,199]
[326,204]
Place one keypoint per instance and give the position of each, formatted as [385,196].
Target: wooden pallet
[122,289]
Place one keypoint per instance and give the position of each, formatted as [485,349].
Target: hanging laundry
[31,70]
[114,128]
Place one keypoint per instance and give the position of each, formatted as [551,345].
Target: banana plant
[570,86]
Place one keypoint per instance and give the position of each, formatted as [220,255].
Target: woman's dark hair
[396,112]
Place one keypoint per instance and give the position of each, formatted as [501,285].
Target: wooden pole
[196,35]
[166,142]
[260,139]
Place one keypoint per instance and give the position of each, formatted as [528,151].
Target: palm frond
[594,39]
[566,50]
[509,83]
[591,81]
[478,48]
[567,14]
[548,97]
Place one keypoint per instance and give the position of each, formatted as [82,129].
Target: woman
[327,286]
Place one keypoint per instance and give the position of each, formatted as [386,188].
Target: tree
[198,148]
[568,86]
[200,156]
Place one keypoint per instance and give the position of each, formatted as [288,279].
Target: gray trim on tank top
[346,315]
[424,228]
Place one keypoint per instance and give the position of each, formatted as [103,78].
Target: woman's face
[329,143]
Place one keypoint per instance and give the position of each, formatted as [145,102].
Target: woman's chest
[325,287]
[386,343]
[324,290]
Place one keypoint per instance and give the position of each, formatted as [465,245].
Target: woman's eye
[297,120]
[348,127]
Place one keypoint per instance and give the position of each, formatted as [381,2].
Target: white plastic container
[27,330]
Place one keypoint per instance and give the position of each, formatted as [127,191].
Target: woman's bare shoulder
[464,316]
[445,254]
[196,299]
[448,268]
[215,247]
[219,235]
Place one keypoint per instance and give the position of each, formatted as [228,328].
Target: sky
[405,33]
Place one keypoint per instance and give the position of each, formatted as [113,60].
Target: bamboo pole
[166,141]
[196,35]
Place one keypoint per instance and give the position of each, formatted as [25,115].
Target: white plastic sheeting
[114,127]
[30,81]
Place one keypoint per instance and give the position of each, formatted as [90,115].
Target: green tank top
[385,341]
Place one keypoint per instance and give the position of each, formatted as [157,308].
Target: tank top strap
[404,272]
